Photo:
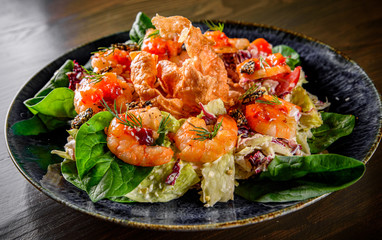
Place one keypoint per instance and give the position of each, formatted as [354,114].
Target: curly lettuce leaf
[334,127]
[154,189]
[298,178]
[218,182]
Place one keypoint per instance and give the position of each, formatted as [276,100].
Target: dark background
[35,32]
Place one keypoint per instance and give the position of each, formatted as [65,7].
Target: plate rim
[189,227]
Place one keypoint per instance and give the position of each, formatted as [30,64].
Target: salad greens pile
[103,176]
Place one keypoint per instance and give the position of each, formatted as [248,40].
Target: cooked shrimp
[112,60]
[208,150]
[133,145]
[90,92]
[273,116]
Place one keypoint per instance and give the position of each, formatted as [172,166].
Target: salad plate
[330,74]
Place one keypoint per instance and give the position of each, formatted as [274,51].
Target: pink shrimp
[194,149]
[133,145]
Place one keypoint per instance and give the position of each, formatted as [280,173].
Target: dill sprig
[162,130]
[163,125]
[95,77]
[263,62]
[213,27]
[154,34]
[105,49]
[204,134]
[251,90]
[274,101]
[129,119]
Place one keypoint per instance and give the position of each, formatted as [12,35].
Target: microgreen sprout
[213,27]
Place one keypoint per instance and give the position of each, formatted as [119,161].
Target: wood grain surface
[35,32]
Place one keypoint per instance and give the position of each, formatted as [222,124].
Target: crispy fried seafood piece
[143,76]
[180,88]
[203,77]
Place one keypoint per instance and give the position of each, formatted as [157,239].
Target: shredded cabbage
[216,107]
[154,189]
[310,118]
[218,183]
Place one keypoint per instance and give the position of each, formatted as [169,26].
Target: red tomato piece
[287,81]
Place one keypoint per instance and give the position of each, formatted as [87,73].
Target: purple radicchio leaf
[208,117]
[170,180]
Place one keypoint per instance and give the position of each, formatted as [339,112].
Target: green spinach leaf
[58,103]
[50,112]
[31,126]
[138,30]
[299,178]
[59,79]
[70,173]
[334,126]
[292,57]
[91,142]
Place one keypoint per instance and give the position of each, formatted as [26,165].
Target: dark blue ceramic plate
[330,74]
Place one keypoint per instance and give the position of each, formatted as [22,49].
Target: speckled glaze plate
[330,74]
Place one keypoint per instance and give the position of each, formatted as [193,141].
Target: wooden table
[35,32]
